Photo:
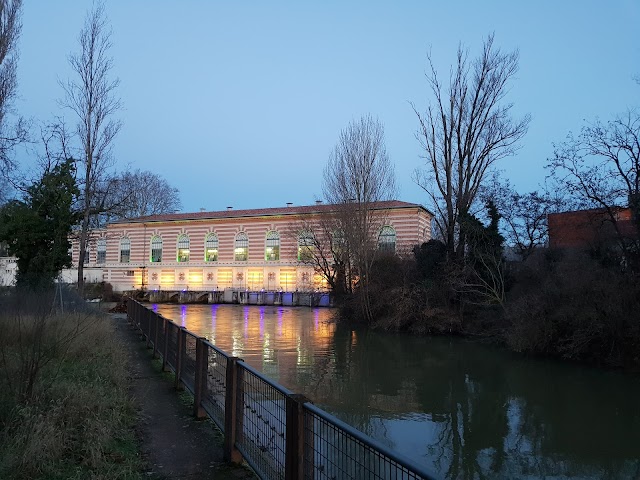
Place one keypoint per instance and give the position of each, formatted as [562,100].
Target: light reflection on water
[460,408]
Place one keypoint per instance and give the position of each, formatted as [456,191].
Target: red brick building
[591,228]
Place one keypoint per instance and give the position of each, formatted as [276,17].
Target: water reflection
[462,409]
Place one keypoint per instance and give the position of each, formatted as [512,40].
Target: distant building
[240,249]
[8,270]
[591,228]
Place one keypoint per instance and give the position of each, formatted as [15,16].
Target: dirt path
[173,444]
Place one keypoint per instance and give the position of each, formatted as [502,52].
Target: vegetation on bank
[573,305]
[65,411]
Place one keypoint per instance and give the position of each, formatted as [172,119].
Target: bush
[579,310]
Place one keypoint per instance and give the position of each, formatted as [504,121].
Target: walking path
[173,444]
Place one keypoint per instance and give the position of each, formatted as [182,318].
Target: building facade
[231,249]
[585,229]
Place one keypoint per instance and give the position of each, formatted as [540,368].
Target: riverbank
[65,409]
[557,304]
[80,397]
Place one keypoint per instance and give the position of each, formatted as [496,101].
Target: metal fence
[281,435]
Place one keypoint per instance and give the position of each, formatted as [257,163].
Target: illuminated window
[156,248]
[211,248]
[241,249]
[183,248]
[125,250]
[272,250]
[101,250]
[305,246]
[387,239]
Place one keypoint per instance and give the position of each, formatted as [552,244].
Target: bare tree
[326,250]
[10,27]
[141,193]
[524,215]
[601,167]
[91,95]
[464,132]
[357,175]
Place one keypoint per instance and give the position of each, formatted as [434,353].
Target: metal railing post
[233,411]
[180,352]
[295,444]
[200,380]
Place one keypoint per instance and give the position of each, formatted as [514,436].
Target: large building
[239,249]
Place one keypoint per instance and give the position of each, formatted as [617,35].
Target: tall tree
[91,96]
[601,167]
[464,132]
[37,228]
[10,134]
[358,174]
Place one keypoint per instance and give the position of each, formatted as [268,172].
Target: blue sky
[240,103]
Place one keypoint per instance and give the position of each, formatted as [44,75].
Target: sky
[240,103]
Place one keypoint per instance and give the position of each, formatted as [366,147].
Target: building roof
[262,212]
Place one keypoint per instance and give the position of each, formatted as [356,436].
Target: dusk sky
[240,103]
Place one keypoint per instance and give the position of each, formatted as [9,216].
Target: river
[463,409]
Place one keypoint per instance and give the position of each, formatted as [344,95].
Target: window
[183,248]
[387,239]
[87,253]
[156,248]
[211,248]
[101,250]
[272,250]
[305,246]
[125,250]
[339,243]
[241,249]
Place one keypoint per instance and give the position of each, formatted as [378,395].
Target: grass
[77,421]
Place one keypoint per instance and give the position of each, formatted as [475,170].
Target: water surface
[460,408]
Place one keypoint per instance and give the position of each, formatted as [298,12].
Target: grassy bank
[65,411]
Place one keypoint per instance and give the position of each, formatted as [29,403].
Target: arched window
[156,248]
[101,250]
[387,239]
[241,248]
[183,248]
[125,250]
[305,246]
[87,252]
[272,250]
[211,248]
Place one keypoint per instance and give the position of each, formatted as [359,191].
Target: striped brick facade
[411,223]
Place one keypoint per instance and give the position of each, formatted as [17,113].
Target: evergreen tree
[37,228]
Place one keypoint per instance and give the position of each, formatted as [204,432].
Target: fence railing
[280,434]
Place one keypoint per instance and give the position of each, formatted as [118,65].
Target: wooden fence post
[233,411]
[295,439]
[200,377]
